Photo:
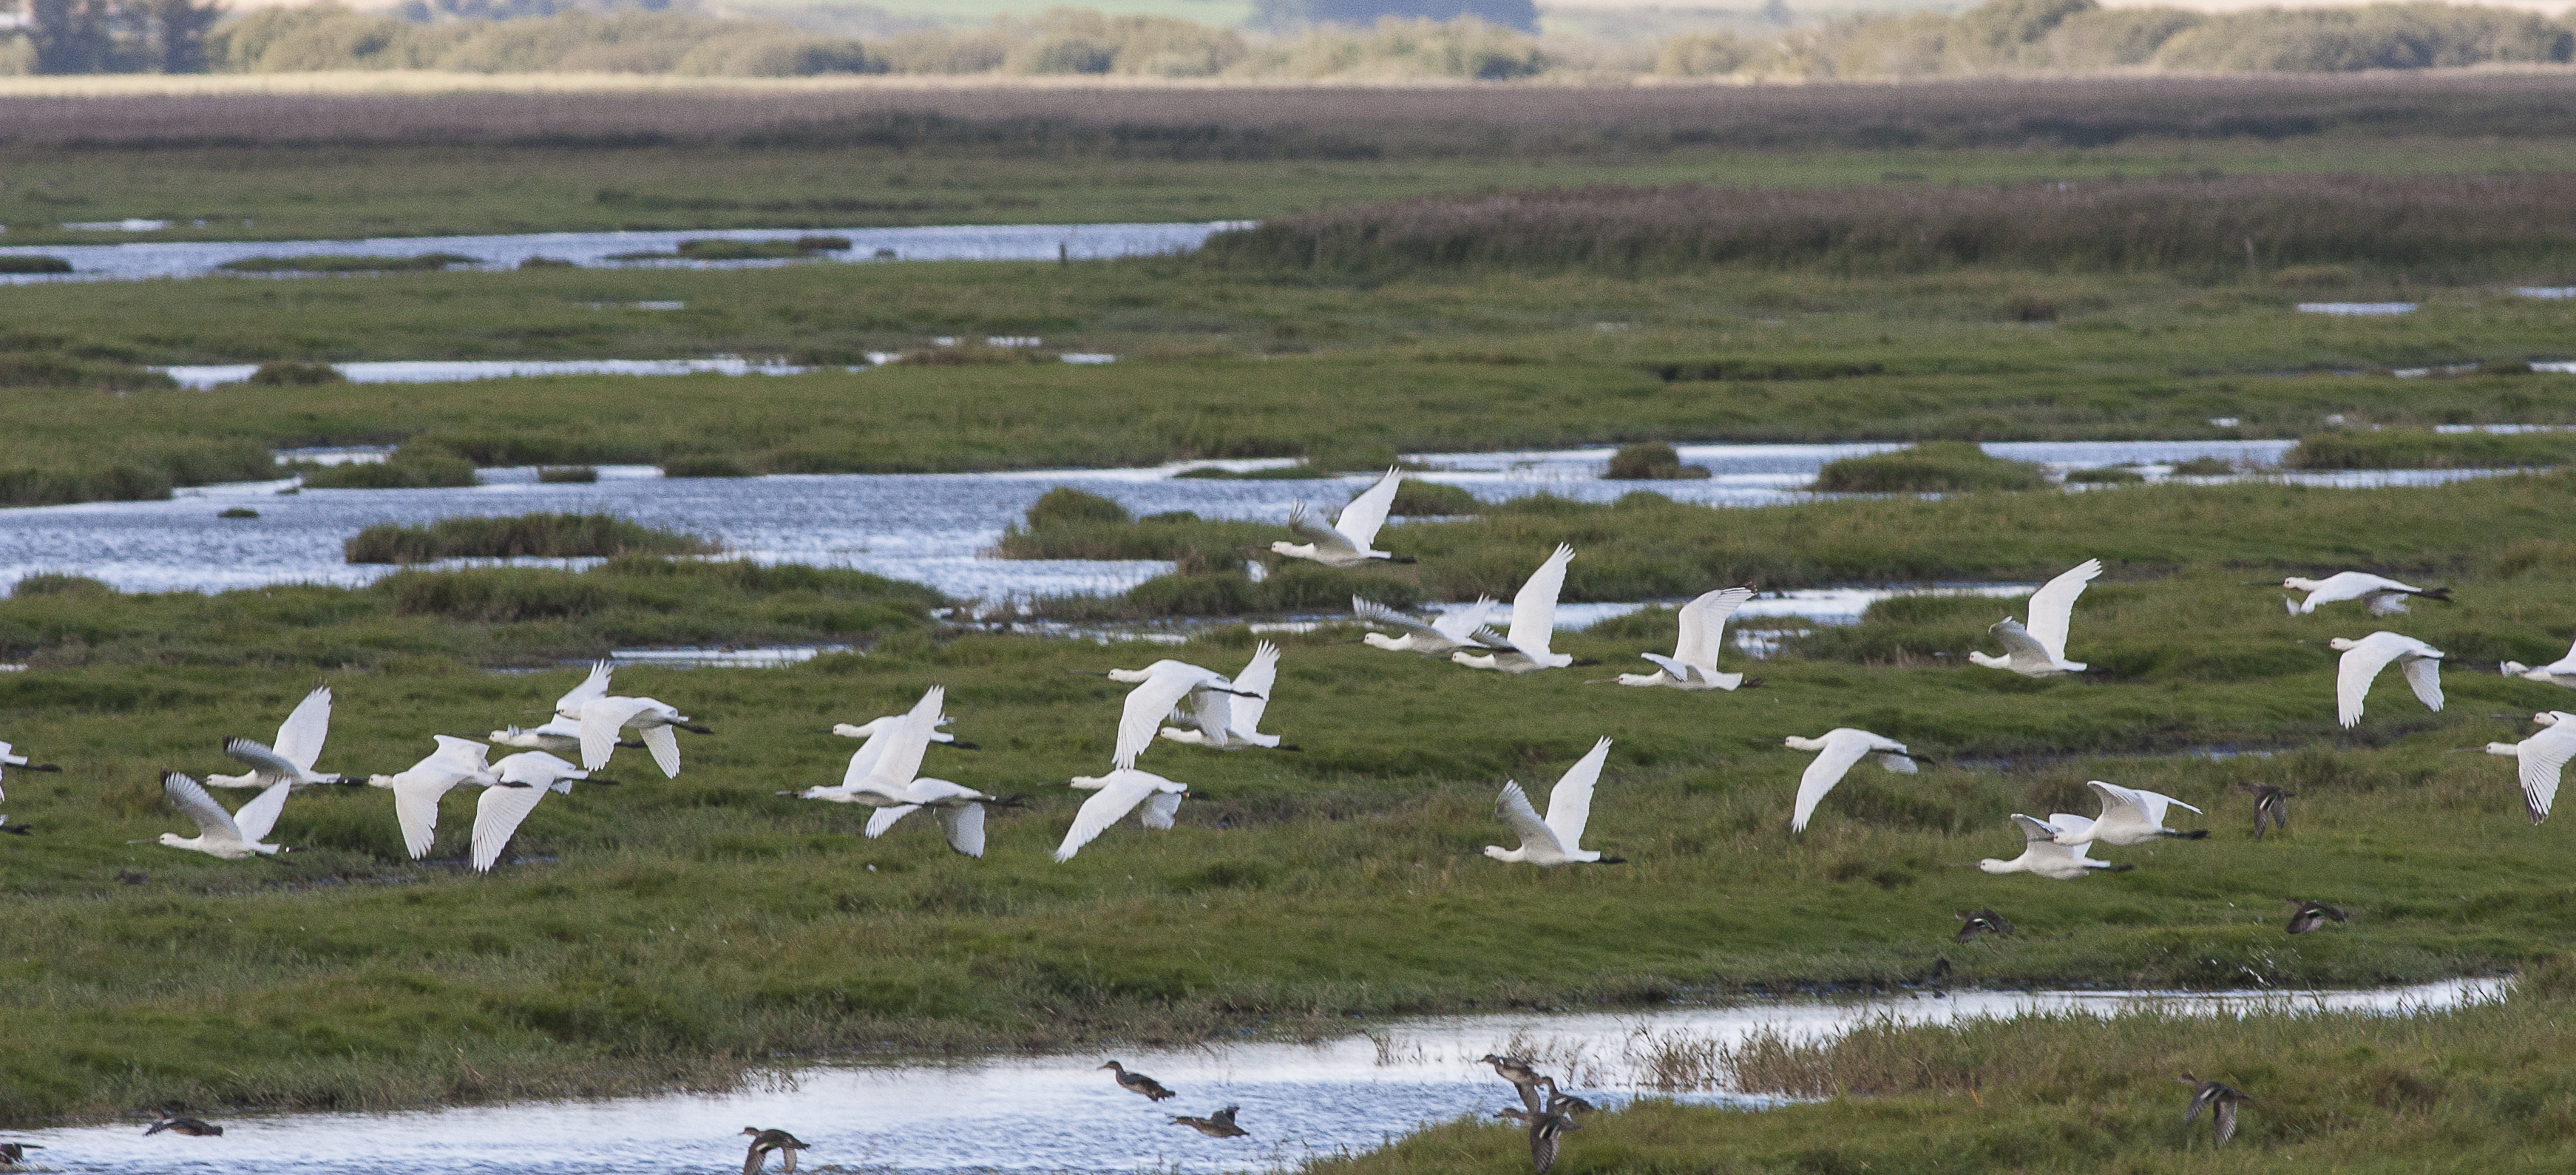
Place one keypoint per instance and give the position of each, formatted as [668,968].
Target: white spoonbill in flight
[521,780]
[1525,648]
[230,836]
[1115,795]
[894,786]
[1841,748]
[2364,658]
[653,722]
[10,758]
[2559,672]
[418,789]
[562,732]
[1232,722]
[2129,817]
[2039,648]
[1161,688]
[873,726]
[2042,855]
[1455,629]
[1558,839]
[2542,758]
[1693,665]
[1348,541]
[2382,595]
[299,744]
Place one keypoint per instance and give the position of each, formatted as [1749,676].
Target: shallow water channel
[137,260]
[1062,1114]
[928,528]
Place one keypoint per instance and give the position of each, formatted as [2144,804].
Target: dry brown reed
[1231,121]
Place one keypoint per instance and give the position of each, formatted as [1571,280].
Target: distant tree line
[117,36]
[1346,40]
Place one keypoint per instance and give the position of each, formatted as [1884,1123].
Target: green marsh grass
[2421,449]
[1318,372]
[543,536]
[411,467]
[1646,547]
[677,932]
[483,616]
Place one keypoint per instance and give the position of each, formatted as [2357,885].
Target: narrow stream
[1062,1114]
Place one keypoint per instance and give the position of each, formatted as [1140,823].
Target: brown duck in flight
[2306,916]
[1217,1125]
[188,1126]
[2271,806]
[765,1141]
[2219,1099]
[1982,921]
[1138,1082]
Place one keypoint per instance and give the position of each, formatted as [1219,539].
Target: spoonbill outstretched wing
[1557,839]
[2038,649]
[2363,659]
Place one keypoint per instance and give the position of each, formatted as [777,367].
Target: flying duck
[1138,1083]
[2219,1099]
[188,1126]
[765,1141]
[1982,921]
[2271,805]
[2306,916]
[1217,1125]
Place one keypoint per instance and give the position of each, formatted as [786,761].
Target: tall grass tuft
[544,536]
[411,467]
[1650,461]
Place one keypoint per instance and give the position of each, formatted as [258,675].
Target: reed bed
[2232,225]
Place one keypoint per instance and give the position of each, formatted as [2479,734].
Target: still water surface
[928,528]
[1061,1113]
[137,260]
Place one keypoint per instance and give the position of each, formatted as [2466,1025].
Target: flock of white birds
[1183,703]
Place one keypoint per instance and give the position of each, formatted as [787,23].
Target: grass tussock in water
[2418,449]
[334,263]
[567,475]
[707,465]
[543,536]
[1933,467]
[25,264]
[287,373]
[411,467]
[1650,461]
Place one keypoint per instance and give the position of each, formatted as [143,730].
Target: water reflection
[1063,1114]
